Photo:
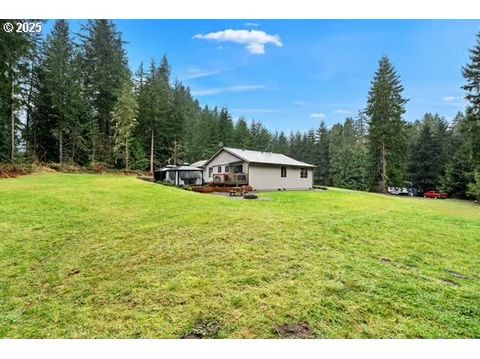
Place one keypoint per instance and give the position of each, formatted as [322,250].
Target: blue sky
[298,72]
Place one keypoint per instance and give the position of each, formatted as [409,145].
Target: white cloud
[196,73]
[449,98]
[317,115]
[241,88]
[300,103]
[254,40]
[342,111]
[235,88]
[251,24]
[207,92]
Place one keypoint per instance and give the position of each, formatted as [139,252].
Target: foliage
[125,119]
[71,88]
[387,129]
[471,73]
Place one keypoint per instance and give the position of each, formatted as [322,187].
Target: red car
[435,195]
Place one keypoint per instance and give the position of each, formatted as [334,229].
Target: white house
[260,170]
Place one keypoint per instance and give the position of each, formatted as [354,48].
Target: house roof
[180,168]
[262,157]
[199,164]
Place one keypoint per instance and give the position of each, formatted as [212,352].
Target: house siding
[268,177]
[222,159]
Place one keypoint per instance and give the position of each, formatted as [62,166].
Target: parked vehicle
[435,195]
[402,191]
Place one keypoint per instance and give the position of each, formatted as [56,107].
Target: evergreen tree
[106,69]
[471,73]
[241,134]
[58,82]
[423,166]
[428,152]
[322,172]
[279,143]
[155,111]
[225,127]
[15,48]
[348,157]
[125,119]
[260,137]
[387,129]
[458,174]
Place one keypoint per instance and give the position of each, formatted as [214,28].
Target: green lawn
[110,256]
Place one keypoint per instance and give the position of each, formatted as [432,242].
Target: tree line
[72,99]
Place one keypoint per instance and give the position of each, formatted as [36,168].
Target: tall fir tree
[387,129]
[15,48]
[225,127]
[106,69]
[241,134]
[125,120]
[423,166]
[59,82]
[471,73]
[322,172]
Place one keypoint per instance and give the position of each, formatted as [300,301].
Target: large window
[219,169]
[303,173]
[227,169]
[238,169]
[210,171]
[283,172]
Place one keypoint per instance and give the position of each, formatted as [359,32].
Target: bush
[12,170]
[474,187]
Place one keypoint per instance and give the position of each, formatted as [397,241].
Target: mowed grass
[92,256]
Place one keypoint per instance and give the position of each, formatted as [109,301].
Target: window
[238,169]
[219,169]
[227,168]
[210,171]
[303,173]
[283,172]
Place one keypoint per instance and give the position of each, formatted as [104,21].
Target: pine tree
[14,68]
[471,73]
[106,69]
[387,129]
[279,143]
[241,134]
[59,82]
[348,157]
[225,127]
[260,137]
[322,172]
[125,119]
[424,161]
[428,152]
[458,174]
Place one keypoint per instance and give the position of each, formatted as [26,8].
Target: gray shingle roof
[265,157]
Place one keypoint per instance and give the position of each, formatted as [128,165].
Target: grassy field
[110,256]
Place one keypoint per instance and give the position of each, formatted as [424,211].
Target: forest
[72,99]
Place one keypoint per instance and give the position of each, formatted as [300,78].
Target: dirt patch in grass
[456,274]
[449,282]
[74,271]
[204,330]
[294,331]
